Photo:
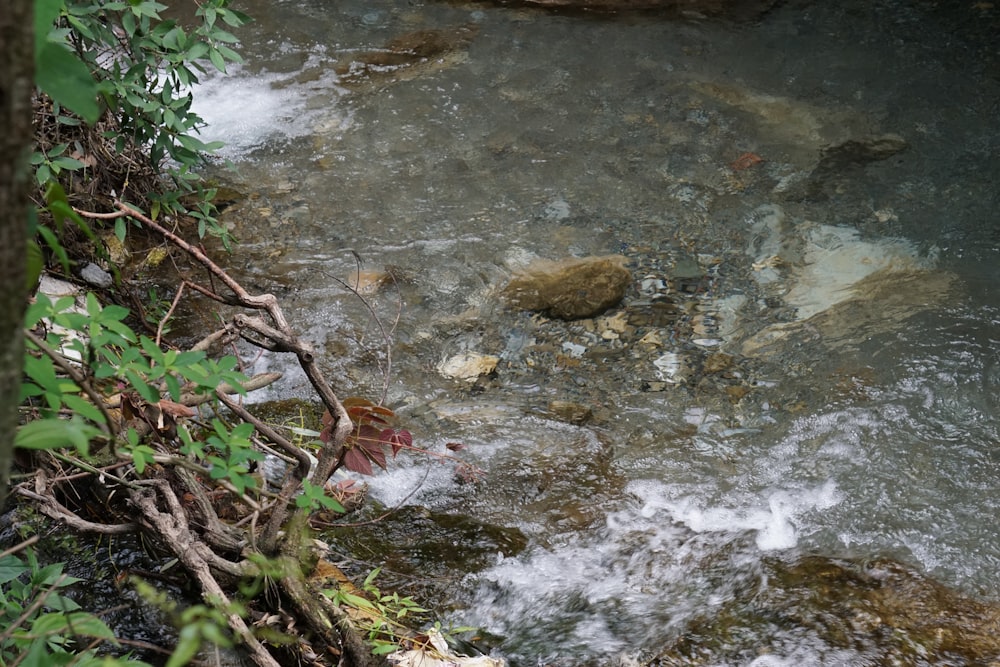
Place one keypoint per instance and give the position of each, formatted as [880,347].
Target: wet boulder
[877,612]
[844,162]
[413,540]
[570,289]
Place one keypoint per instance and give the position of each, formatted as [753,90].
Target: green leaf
[142,455]
[46,13]
[148,392]
[67,80]
[230,55]
[69,163]
[223,36]
[371,577]
[83,407]
[352,600]
[187,647]
[53,243]
[217,60]
[383,649]
[11,567]
[77,623]
[54,434]
[35,263]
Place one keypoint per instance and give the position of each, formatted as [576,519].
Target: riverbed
[805,366]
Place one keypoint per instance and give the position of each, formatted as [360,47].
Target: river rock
[570,412]
[407,50]
[730,9]
[880,609]
[841,287]
[570,289]
[468,366]
[96,276]
[859,152]
[846,160]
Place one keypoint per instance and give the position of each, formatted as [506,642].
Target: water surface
[867,434]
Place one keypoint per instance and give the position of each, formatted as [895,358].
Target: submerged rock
[413,540]
[838,286]
[730,9]
[840,163]
[874,612]
[570,289]
[407,50]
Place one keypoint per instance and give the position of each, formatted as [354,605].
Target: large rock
[877,612]
[570,289]
[727,9]
[840,287]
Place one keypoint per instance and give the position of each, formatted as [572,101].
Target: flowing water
[721,434]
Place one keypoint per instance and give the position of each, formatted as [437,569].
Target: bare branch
[169,313]
[54,509]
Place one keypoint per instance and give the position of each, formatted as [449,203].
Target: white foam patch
[772,517]
[246,110]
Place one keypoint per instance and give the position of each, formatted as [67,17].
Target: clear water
[549,136]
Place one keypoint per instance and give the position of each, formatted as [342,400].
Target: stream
[798,395]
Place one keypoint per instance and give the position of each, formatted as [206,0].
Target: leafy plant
[128,72]
[41,626]
[370,436]
[380,614]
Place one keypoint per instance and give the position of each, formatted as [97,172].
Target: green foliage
[122,63]
[56,433]
[383,613]
[230,453]
[58,72]
[314,497]
[39,625]
[117,361]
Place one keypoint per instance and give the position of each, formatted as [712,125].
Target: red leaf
[368,439]
[325,435]
[363,411]
[355,460]
[455,446]
[397,439]
[377,457]
[368,436]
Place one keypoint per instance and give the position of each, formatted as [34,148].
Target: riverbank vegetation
[123,431]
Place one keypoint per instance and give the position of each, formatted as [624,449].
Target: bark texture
[17,69]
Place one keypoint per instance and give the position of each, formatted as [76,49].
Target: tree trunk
[17,68]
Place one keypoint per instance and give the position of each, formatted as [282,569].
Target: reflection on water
[866,431]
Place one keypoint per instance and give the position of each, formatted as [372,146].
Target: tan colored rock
[718,362]
[368,282]
[468,366]
[570,289]
[568,411]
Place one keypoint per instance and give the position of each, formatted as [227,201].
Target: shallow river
[715,429]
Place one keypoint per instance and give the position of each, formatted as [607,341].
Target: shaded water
[870,433]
